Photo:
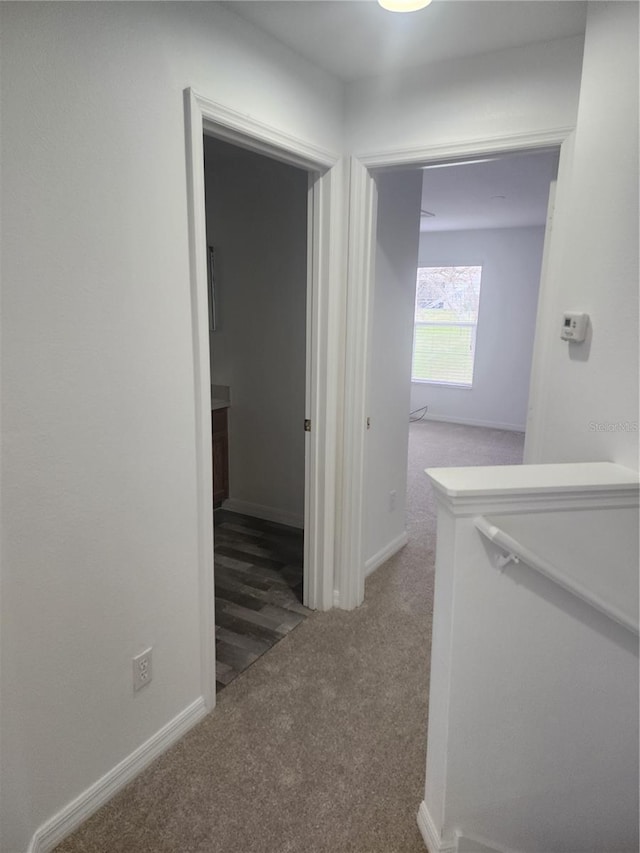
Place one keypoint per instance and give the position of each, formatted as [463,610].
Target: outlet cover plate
[142,669]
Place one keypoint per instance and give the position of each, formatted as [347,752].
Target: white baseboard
[62,824]
[461,843]
[267,513]
[474,422]
[430,834]
[385,553]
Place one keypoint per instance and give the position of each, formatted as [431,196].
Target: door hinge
[307,425]
[368,423]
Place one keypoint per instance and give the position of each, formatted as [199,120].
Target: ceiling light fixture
[403,5]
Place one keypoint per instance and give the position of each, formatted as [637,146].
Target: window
[446,317]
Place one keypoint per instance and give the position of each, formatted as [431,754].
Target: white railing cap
[501,485]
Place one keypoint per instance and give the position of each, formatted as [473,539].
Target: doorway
[363,211]
[256,217]
[322,364]
[483,229]
[481,246]
[459,251]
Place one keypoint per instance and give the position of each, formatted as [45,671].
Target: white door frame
[363,203]
[350,568]
[326,214]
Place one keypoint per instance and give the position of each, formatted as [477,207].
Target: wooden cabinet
[220,447]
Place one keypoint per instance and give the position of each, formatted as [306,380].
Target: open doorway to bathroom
[256,212]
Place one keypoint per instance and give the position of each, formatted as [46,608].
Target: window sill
[442,384]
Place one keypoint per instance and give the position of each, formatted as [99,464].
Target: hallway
[320,744]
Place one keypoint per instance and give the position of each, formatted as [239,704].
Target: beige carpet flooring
[318,747]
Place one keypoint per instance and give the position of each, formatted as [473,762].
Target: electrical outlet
[142,671]
[392,501]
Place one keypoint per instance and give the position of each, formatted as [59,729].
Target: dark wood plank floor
[258,587]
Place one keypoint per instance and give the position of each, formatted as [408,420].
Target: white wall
[257,222]
[99,484]
[508,92]
[390,357]
[594,267]
[510,260]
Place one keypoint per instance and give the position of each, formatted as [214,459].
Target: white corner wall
[522,90]
[99,484]
[510,260]
[588,393]
[257,223]
[391,341]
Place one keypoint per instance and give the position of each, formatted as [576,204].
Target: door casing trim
[326,213]
[352,557]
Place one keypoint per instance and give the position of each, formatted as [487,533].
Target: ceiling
[463,196]
[353,39]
